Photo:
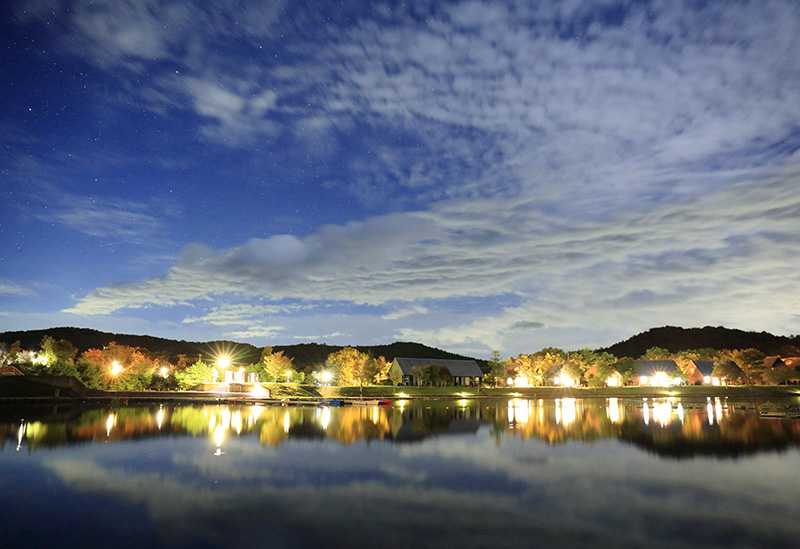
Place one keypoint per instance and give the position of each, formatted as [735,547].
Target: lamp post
[288,376]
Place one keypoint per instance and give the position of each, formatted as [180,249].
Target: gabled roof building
[464,372]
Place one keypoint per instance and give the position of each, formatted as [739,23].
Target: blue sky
[469,175]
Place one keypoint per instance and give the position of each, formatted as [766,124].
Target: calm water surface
[469,473]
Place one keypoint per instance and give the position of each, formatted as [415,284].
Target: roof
[10,371]
[773,361]
[652,367]
[791,361]
[705,367]
[457,368]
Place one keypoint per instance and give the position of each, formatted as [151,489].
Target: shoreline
[299,394]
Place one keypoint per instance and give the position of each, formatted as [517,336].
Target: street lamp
[326,377]
[115,368]
[223,362]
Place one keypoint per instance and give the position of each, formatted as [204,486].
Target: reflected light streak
[613,409]
[565,411]
[236,422]
[160,417]
[255,411]
[325,417]
[110,423]
[219,437]
[287,422]
[646,412]
[20,434]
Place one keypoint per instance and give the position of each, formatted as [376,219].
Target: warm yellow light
[164,371]
[258,391]
[325,417]
[326,377]
[160,417]
[219,435]
[287,422]
[110,423]
[402,395]
[223,362]
[115,368]
[288,376]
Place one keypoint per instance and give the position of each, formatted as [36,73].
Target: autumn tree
[749,361]
[350,366]
[95,368]
[780,374]
[626,368]
[272,365]
[727,369]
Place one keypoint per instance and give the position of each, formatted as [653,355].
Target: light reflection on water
[472,473]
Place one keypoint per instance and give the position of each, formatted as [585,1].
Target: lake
[444,473]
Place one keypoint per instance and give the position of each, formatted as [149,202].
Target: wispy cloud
[668,262]
[11,288]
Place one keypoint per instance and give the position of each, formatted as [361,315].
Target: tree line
[123,367]
[593,368]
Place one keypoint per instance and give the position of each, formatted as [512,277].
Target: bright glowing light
[288,376]
[20,434]
[110,423]
[160,416]
[223,362]
[40,359]
[255,411]
[287,422]
[613,410]
[164,371]
[613,381]
[236,422]
[402,395]
[219,438]
[662,412]
[518,411]
[326,377]
[115,368]
[565,411]
[564,380]
[258,391]
[325,417]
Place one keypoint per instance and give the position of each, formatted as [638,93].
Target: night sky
[469,175]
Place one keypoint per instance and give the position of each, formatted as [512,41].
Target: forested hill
[676,339]
[304,354]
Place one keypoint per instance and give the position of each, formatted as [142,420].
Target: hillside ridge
[304,354]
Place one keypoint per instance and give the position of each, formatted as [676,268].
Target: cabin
[700,372]
[465,373]
[773,362]
[560,378]
[656,373]
[614,380]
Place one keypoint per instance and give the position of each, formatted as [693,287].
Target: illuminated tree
[272,366]
[95,368]
[8,353]
[197,373]
[626,368]
[780,374]
[750,361]
[352,367]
